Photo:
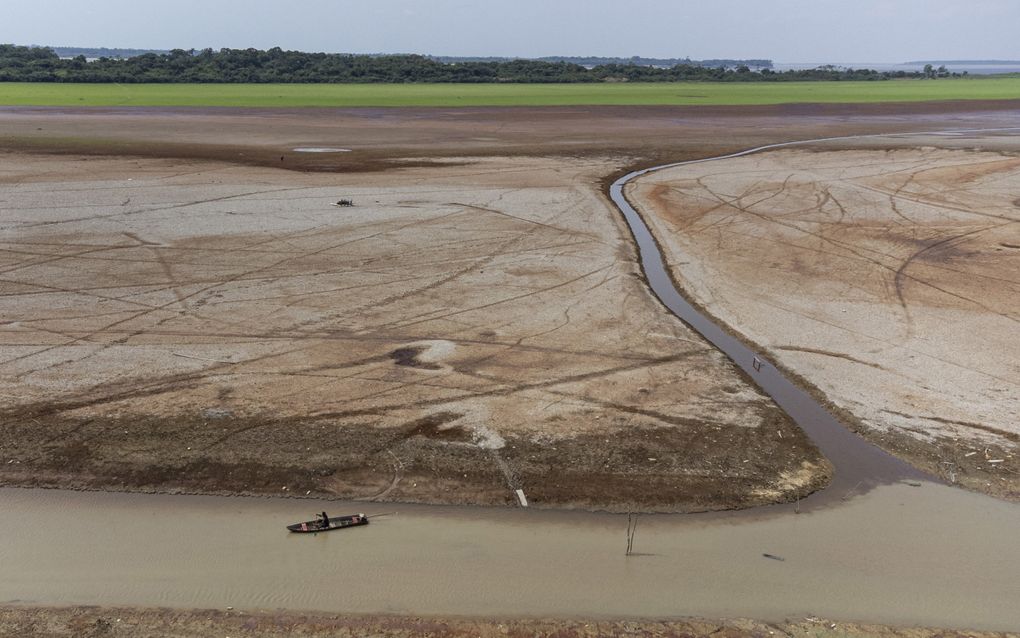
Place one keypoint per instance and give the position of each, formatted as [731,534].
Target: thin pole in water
[632,519]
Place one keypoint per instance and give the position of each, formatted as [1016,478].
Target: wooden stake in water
[631,530]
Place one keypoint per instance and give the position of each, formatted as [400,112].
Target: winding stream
[897,554]
[858,464]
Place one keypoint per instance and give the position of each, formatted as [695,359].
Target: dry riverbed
[889,278]
[181,314]
[465,330]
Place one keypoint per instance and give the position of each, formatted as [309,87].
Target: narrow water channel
[858,464]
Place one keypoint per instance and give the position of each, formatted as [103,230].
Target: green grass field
[341,95]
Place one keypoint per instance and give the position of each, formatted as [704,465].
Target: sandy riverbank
[167,623]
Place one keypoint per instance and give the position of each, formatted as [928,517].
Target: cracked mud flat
[887,278]
[167,623]
[464,331]
[248,321]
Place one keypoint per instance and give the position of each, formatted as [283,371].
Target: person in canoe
[324,523]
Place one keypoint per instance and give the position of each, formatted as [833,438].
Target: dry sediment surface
[88,622]
[181,314]
[392,137]
[889,278]
[465,330]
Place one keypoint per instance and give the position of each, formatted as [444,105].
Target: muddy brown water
[931,555]
[898,553]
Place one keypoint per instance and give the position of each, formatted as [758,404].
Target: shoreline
[185,552]
[143,622]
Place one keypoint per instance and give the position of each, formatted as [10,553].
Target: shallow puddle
[320,149]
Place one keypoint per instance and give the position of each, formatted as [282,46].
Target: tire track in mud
[942,243]
[173,284]
[141,211]
[180,299]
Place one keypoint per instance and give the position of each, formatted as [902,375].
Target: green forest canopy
[248,66]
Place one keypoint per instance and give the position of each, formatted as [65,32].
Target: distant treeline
[41,64]
[593,61]
[588,61]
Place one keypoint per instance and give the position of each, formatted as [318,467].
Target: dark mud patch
[70,456]
[409,357]
[434,426]
[395,138]
[238,476]
[959,462]
[671,469]
[284,157]
[637,463]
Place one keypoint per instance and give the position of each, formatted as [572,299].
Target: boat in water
[326,524]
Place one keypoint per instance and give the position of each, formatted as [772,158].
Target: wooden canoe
[339,522]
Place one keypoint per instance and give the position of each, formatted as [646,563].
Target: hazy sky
[783,30]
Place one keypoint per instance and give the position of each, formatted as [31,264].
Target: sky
[781,30]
